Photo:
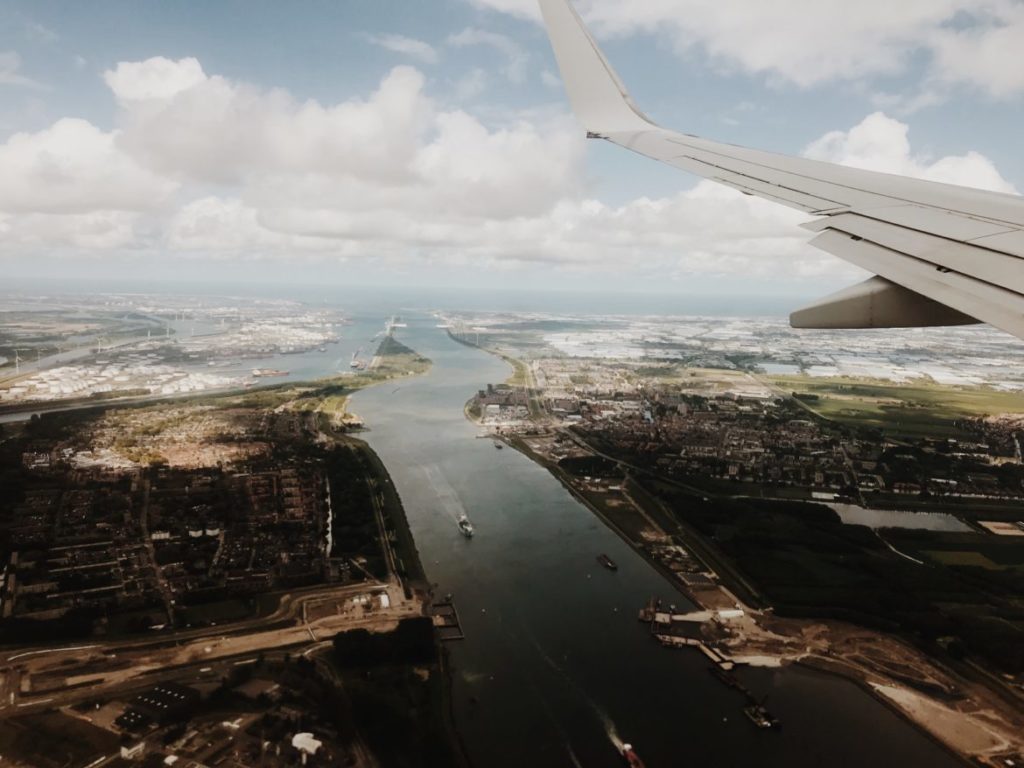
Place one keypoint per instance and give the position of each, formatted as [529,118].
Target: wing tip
[598,97]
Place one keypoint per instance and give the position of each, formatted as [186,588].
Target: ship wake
[447,495]
[606,720]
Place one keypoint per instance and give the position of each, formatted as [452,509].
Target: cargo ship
[465,527]
[631,757]
[607,562]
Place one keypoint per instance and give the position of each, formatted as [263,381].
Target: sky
[429,143]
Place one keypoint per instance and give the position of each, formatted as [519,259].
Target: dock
[682,630]
[446,621]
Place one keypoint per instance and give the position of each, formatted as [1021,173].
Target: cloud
[551,80]
[388,168]
[204,167]
[881,143]
[984,53]
[407,46]
[77,233]
[10,71]
[40,33]
[227,228]
[526,9]
[517,60]
[471,85]
[75,168]
[184,123]
[811,42]
[156,79]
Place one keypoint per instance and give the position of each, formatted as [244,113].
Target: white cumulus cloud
[74,167]
[154,79]
[809,42]
[185,123]
[881,143]
[201,166]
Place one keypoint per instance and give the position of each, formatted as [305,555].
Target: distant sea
[360,298]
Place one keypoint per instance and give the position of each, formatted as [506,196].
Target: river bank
[986,728]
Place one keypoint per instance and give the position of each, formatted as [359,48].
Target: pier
[446,621]
[682,630]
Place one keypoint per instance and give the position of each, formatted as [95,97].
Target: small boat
[631,757]
[499,446]
[465,527]
[607,562]
[761,717]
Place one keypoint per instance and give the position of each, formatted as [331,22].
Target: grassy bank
[410,566]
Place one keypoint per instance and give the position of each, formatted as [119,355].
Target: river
[555,665]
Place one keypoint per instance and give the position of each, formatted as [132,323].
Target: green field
[520,373]
[926,410]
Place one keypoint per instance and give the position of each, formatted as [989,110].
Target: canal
[556,666]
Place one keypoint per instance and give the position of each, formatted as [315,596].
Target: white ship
[465,527]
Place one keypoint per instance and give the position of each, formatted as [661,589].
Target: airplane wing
[942,254]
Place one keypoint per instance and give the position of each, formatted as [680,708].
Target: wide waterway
[555,662]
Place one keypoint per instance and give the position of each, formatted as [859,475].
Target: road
[39,678]
[165,589]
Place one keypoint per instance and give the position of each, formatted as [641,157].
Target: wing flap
[983,264]
[1008,242]
[938,222]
